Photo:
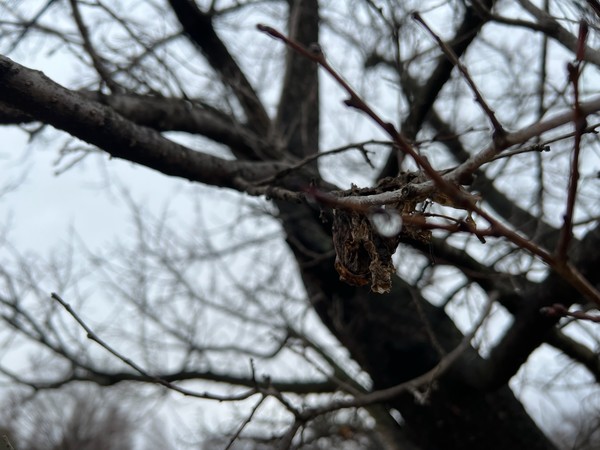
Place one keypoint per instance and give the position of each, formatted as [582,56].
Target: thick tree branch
[13,116]
[198,26]
[170,114]
[34,94]
[174,114]
[299,102]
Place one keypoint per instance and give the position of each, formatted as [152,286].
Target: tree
[497,191]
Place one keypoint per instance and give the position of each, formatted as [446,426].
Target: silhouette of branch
[423,95]
[577,351]
[27,26]
[383,395]
[199,27]
[187,392]
[360,146]
[499,131]
[546,24]
[595,6]
[91,51]
[580,122]
[247,420]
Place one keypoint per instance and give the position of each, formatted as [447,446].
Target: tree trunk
[389,336]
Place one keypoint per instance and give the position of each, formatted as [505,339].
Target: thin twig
[566,232]
[245,422]
[360,146]
[285,442]
[340,377]
[544,146]
[499,131]
[535,148]
[94,337]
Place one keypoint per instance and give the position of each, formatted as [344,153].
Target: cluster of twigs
[448,184]
[420,386]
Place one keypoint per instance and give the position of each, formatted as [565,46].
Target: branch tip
[269,30]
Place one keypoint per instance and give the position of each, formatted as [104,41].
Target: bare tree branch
[499,130]
[97,62]
[198,25]
[576,351]
[530,327]
[35,94]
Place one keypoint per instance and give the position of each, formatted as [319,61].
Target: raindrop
[387,222]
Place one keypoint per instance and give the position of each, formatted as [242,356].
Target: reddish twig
[558,310]
[499,131]
[355,101]
[315,54]
[579,119]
